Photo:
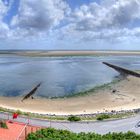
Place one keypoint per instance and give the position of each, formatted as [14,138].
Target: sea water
[60,76]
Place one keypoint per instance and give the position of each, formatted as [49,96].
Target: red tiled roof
[14,130]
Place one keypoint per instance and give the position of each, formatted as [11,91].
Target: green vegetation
[64,118]
[53,134]
[73,118]
[102,117]
[19,112]
[3,124]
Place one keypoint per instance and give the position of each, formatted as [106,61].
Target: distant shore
[45,53]
[125,97]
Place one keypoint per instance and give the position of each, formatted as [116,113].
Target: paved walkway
[101,127]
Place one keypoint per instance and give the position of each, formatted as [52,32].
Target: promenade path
[102,127]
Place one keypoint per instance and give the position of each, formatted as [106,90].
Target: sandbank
[44,53]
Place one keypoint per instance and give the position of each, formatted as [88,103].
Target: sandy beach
[126,97]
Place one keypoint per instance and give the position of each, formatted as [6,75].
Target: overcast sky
[70,24]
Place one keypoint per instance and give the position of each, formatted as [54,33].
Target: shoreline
[115,111]
[91,90]
[125,98]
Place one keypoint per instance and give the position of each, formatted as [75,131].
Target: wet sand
[126,97]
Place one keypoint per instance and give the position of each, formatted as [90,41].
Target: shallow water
[60,76]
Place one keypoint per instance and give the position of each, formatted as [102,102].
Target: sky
[70,24]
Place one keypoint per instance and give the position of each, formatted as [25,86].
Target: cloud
[33,19]
[4,29]
[39,15]
[3,9]
[109,35]
[112,35]
[109,20]
[97,17]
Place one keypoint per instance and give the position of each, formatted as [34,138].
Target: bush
[19,112]
[73,118]
[3,124]
[53,134]
[103,116]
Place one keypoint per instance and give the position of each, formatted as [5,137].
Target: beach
[123,95]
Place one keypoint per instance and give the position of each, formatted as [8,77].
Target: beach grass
[82,117]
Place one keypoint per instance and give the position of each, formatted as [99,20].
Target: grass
[103,117]
[92,117]
[3,124]
[73,118]
[111,116]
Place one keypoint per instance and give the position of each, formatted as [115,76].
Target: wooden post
[28,120]
[25,132]
[8,117]
[31,129]
[50,123]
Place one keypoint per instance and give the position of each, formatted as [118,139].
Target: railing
[20,135]
[26,130]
